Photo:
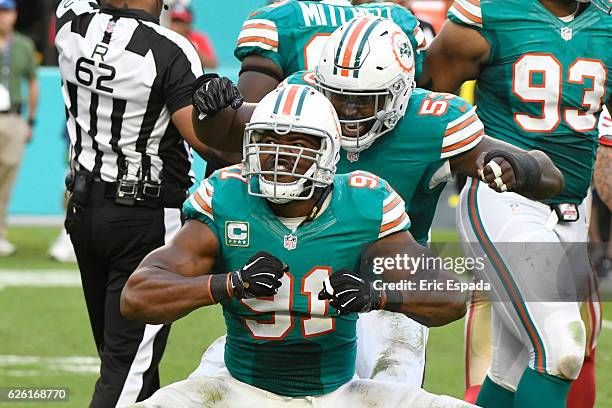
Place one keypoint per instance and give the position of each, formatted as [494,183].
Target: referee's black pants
[110,241]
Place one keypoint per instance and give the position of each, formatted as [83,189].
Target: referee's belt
[143,194]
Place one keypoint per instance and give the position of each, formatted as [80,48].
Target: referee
[127,90]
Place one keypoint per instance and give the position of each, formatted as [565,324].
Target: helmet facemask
[367,70]
[366,115]
[287,172]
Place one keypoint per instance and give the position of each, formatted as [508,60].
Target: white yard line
[33,366]
[40,278]
[606,324]
[38,221]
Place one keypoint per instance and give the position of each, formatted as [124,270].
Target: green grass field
[49,325]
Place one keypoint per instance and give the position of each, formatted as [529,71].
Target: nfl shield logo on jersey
[290,242]
[566,33]
[352,156]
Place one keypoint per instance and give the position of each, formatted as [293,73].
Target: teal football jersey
[292,33]
[412,157]
[545,82]
[294,344]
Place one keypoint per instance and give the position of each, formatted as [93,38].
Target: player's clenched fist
[259,277]
[212,94]
[504,171]
[348,293]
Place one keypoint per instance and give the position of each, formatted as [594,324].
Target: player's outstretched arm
[219,114]
[456,55]
[182,121]
[258,77]
[175,279]
[505,167]
[348,292]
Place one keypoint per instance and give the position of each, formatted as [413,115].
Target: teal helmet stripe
[362,44]
[342,40]
[305,91]
[364,40]
[278,101]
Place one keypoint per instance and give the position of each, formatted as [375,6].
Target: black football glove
[212,94]
[260,277]
[348,293]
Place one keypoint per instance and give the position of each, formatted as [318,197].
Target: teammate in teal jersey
[542,82]
[288,36]
[293,233]
[415,138]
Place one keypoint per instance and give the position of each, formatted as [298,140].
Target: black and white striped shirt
[123,76]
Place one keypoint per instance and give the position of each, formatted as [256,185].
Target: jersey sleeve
[260,36]
[199,206]
[69,9]
[466,13]
[463,129]
[605,128]
[411,27]
[394,217]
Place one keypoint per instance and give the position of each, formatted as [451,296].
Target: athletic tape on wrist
[527,172]
[220,288]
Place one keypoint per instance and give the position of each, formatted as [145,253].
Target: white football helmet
[367,65]
[291,109]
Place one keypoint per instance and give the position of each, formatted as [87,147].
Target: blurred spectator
[17,63]
[181,21]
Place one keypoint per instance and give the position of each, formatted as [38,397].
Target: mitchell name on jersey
[292,33]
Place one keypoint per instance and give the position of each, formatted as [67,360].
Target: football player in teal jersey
[287,36]
[279,242]
[542,70]
[414,137]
